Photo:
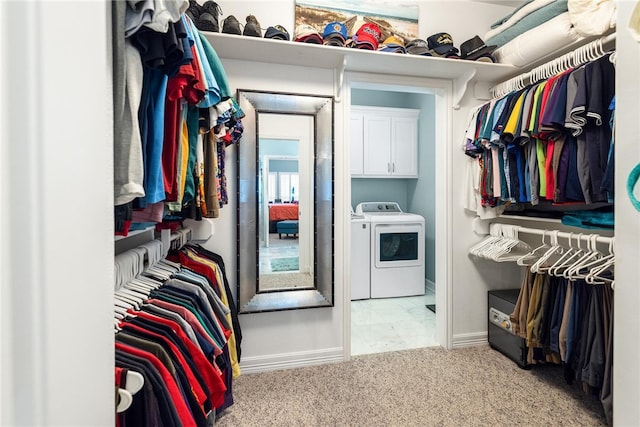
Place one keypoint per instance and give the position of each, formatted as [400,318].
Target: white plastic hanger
[547,259]
[569,254]
[574,272]
[600,266]
[516,249]
[535,254]
[134,381]
[125,400]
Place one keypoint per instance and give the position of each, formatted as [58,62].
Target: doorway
[389,324]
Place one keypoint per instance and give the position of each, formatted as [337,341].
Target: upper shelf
[247,48]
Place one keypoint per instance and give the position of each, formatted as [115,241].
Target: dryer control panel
[378,207]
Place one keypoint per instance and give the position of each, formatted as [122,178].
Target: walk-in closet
[66,339]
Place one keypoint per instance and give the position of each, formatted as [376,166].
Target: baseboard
[469,340]
[430,286]
[276,362]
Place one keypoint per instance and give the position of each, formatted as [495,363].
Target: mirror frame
[321,108]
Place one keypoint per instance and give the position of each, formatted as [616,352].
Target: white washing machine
[396,254]
[360,258]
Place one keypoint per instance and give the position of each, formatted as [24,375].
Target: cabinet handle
[393,168]
[388,167]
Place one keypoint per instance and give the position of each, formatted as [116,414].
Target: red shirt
[174,391]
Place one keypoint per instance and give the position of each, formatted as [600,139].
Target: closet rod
[521,80]
[566,235]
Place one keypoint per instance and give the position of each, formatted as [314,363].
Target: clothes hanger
[490,243]
[138,295]
[574,271]
[540,265]
[476,249]
[600,266]
[517,247]
[135,300]
[534,254]
[138,288]
[134,381]
[572,254]
[124,400]
[568,251]
[148,281]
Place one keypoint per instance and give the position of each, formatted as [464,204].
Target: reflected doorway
[285,194]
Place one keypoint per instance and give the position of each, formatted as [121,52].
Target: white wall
[279,339]
[435,15]
[626,362]
[468,279]
[56,226]
[422,191]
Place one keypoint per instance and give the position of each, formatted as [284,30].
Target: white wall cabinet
[384,142]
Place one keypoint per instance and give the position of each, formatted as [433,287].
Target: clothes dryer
[360,257]
[397,250]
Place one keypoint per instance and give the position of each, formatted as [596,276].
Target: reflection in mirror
[285,206]
[285,202]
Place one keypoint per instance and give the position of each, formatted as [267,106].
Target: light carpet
[285,281]
[475,386]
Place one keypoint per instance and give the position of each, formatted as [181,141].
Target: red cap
[368,34]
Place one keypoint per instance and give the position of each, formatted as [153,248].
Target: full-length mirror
[285,202]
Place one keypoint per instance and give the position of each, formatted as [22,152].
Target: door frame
[443,92]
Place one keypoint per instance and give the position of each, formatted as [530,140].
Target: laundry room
[396,183]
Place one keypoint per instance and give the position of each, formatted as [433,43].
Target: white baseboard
[276,362]
[469,340]
[430,286]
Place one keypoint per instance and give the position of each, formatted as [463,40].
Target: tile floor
[389,324]
[278,248]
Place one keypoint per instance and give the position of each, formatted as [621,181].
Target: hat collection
[368,36]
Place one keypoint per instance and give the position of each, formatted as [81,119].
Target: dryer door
[398,245]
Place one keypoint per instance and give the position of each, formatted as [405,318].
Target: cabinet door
[404,146]
[357,145]
[377,145]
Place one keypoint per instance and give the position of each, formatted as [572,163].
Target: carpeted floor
[474,386]
[285,281]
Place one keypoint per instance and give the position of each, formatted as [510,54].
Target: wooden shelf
[230,46]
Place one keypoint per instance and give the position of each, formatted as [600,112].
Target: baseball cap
[441,44]
[276,32]
[368,36]
[392,44]
[305,33]
[418,47]
[475,48]
[335,34]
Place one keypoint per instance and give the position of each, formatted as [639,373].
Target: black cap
[475,48]
[277,32]
[441,43]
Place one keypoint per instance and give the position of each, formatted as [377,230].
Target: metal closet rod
[528,77]
[565,234]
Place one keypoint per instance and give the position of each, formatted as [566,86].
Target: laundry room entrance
[396,136]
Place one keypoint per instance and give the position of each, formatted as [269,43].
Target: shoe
[194,10]
[209,17]
[231,25]
[252,27]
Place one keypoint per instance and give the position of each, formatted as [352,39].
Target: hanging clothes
[568,322]
[160,159]
[547,144]
[181,338]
